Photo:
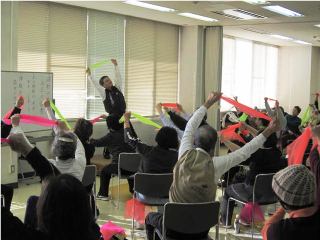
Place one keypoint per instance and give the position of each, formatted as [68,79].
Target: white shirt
[223,163]
[101,90]
[73,166]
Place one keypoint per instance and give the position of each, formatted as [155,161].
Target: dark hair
[83,129]
[271,141]
[113,122]
[167,137]
[291,207]
[64,149]
[63,209]
[205,137]
[265,122]
[101,80]
[298,108]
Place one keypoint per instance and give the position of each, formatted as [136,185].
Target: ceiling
[299,28]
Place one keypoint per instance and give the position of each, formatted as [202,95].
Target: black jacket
[114,102]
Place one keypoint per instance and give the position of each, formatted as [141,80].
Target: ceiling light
[199,17]
[280,36]
[150,6]
[256,2]
[283,11]
[302,42]
[317,25]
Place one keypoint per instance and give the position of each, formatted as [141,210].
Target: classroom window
[65,40]
[105,41]
[249,71]
[52,38]
[151,61]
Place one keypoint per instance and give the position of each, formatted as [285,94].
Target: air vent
[255,30]
[239,14]
[248,13]
[227,15]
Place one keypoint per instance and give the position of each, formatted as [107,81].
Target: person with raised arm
[68,149]
[112,97]
[5,129]
[55,218]
[196,174]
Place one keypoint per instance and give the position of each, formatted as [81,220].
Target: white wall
[315,72]
[191,67]
[294,79]
[9,35]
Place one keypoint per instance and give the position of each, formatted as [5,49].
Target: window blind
[105,41]
[52,38]
[151,64]
[249,71]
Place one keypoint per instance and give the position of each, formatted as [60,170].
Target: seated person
[167,122]
[7,191]
[265,160]
[314,158]
[84,129]
[280,114]
[5,129]
[66,146]
[154,159]
[114,141]
[196,174]
[295,188]
[58,194]
[292,127]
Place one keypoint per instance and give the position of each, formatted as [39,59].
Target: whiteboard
[34,87]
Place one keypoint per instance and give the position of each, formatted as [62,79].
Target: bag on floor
[246,213]
[141,210]
[109,229]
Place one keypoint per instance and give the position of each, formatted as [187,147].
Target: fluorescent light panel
[256,2]
[302,42]
[317,25]
[280,36]
[199,17]
[150,6]
[283,11]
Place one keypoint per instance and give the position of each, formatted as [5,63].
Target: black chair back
[153,185]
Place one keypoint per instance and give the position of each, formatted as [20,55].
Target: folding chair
[151,185]
[263,189]
[21,158]
[129,162]
[89,178]
[190,218]
[2,200]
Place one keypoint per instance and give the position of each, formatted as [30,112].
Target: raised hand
[20,102]
[114,61]
[212,98]
[46,103]
[15,120]
[88,71]
[126,116]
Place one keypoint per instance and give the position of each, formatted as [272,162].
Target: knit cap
[295,185]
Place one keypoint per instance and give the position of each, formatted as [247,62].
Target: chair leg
[118,192]
[133,211]
[217,232]
[252,220]
[227,217]
[111,191]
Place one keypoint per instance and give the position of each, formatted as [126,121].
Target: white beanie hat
[295,185]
